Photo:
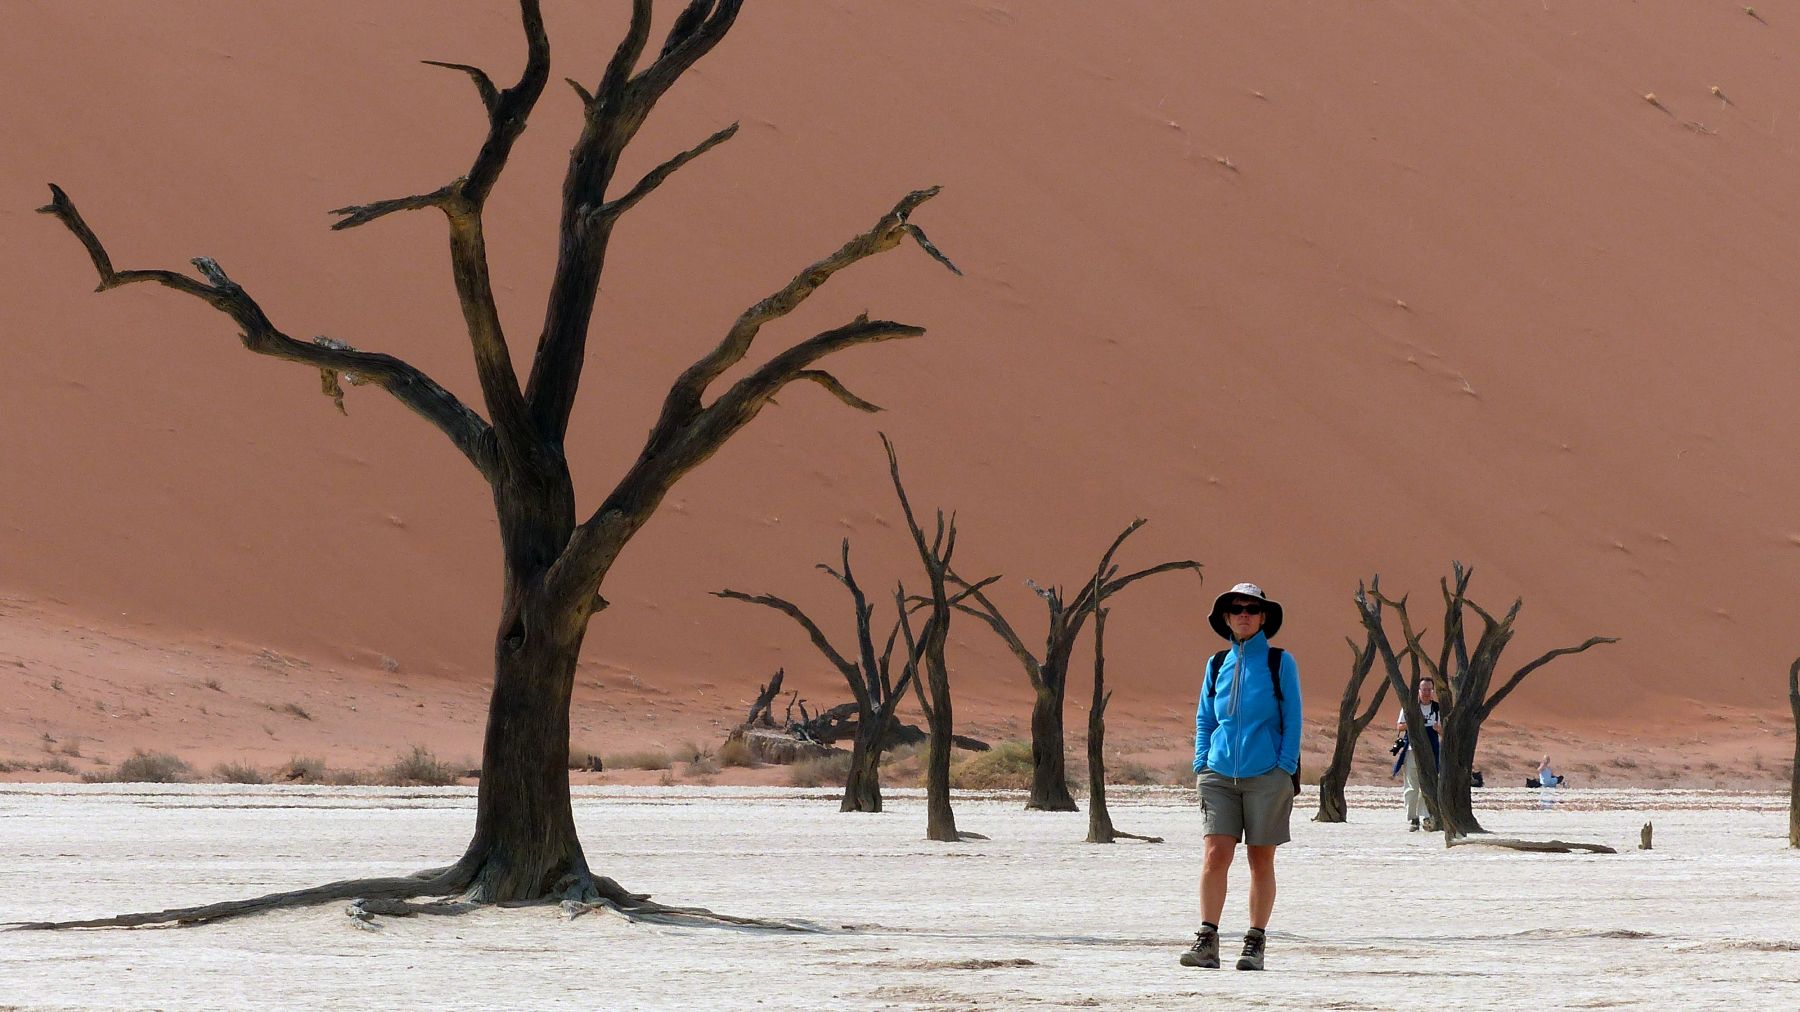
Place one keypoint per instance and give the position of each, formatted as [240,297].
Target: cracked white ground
[1369,916]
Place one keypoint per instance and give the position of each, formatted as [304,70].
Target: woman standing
[1246,764]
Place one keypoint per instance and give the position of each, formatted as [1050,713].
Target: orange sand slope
[1322,290]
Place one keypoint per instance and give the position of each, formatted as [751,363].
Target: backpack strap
[1275,678]
[1212,674]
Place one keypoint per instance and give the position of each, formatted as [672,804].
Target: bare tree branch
[813,631]
[837,389]
[423,395]
[1518,676]
[690,389]
[484,85]
[654,179]
[362,214]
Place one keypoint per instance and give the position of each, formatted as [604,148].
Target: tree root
[435,882]
[1532,846]
[1120,834]
[579,893]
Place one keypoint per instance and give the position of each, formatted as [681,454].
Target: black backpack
[1212,690]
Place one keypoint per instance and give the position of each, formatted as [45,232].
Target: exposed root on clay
[1120,834]
[590,893]
[433,882]
[449,892]
[1531,846]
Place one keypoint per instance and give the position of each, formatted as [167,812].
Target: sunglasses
[1243,609]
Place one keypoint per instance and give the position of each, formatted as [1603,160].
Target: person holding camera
[1404,759]
[1246,765]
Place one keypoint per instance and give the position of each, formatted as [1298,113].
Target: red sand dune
[1322,290]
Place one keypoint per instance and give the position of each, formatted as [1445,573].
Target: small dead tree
[525,845]
[1794,774]
[1350,726]
[760,712]
[1049,675]
[926,650]
[877,696]
[1465,677]
[1100,824]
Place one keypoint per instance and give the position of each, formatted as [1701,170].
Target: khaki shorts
[1253,810]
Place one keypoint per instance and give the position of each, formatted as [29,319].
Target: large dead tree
[1794,770]
[1464,678]
[926,650]
[555,561]
[876,694]
[1350,726]
[1049,674]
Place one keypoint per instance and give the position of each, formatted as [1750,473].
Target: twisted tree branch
[419,392]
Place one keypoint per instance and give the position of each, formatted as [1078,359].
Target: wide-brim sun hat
[1271,610]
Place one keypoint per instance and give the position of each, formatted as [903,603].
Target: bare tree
[1794,771]
[927,650]
[876,695]
[1100,824]
[1350,726]
[1049,675]
[524,845]
[760,711]
[1465,677]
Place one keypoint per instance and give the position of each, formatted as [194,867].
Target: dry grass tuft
[646,759]
[238,773]
[302,770]
[1130,771]
[1007,766]
[418,768]
[145,768]
[704,766]
[830,771]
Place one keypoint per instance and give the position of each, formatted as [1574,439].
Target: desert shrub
[704,766]
[295,709]
[1130,771]
[688,752]
[302,770]
[213,684]
[12,765]
[347,778]
[238,773]
[145,768]
[1005,766]
[736,752]
[829,771]
[646,759]
[667,779]
[418,768]
[59,765]
[71,747]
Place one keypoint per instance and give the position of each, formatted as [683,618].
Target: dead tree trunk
[877,696]
[761,709]
[524,845]
[927,650]
[1332,807]
[1049,676]
[1467,675]
[1100,824]
[1794,774]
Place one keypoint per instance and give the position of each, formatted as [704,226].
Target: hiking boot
[1430,824]
[1415,826]
[1205,950]
[1252,958]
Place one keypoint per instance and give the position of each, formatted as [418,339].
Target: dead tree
[1794,771]
[1466,675]
[1100,824]
[555,562]
[926,650]
[760,709]
[1350,726]
[1049,675]
[876,694]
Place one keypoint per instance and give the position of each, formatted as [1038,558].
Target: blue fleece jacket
[1238,730]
